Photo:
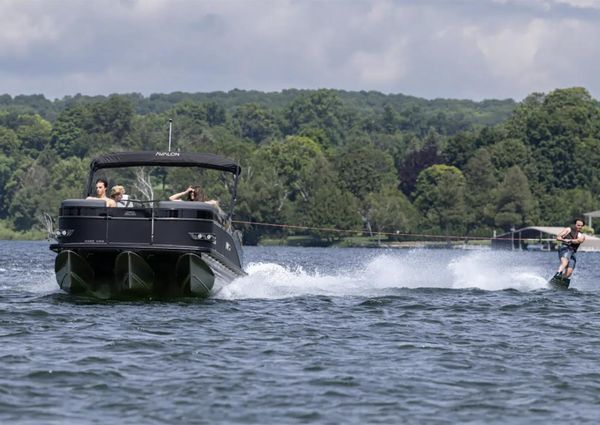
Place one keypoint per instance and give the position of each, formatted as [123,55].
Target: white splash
[494,271]
[381,275]
[269,280]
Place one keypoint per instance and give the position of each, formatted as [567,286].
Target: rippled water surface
[310,336]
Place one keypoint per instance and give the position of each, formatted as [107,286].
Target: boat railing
[97,207]
[129,224]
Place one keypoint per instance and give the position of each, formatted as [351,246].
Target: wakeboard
[559,282]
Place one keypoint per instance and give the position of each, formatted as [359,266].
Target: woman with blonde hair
[116,194]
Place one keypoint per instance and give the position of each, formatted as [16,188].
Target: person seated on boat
[194,194]
[125,202]
[117,194]
[101,186]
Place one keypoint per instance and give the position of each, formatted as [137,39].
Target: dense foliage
[344,162]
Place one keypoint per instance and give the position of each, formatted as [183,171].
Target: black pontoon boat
[151,248]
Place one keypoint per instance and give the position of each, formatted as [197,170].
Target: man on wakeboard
[570,239]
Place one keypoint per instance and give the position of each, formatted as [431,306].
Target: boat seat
[87,203]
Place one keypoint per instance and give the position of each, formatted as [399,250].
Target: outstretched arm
[580,239]
[179,195]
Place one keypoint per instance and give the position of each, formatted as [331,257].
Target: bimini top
[168,159]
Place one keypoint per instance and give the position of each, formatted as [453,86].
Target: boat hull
[194,276]
[139,275]
[173,249]
[73,272]
[133,275]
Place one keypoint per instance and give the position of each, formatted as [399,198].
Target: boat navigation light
[63,233]
[210,237]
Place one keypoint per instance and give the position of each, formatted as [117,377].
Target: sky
[460,49]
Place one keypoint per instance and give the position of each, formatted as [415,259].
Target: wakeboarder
[570,239]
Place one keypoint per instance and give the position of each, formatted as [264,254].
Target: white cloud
[430,48]
[582,3]
[511,52]
[381,68]
[20,30]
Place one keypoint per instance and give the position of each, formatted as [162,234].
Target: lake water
[324,336]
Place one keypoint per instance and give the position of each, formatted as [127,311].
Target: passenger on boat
[125,202]
[101,186]
[117,194]
[194,194]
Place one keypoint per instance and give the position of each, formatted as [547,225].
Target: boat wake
[33,282]
[380,275]
[386,273]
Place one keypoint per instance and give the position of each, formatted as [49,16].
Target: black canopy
[169,159]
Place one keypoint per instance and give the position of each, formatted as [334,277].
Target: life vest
[573,234]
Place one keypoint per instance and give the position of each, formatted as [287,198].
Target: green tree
[440,196]
[572,112]
[391,211]
[11,161]
[508,153]
[390,119]
[67,132]
[561,207]
[585,161]
[34,132]
[555,125]
[422,155]
[278,180]
[480,175]
[515,205]
[67,180]
[9,142]
[292,160]
[215,114]
[529,120]
[364,169]
[255,122]
[292,182]
[29,199]
[459,149]
[8,166]
[321,109]
[330,207]
[112,116]
[413,120]
[262,196]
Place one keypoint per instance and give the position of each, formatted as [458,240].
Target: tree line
[361,162]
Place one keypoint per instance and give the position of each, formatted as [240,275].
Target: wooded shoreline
[323,159]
